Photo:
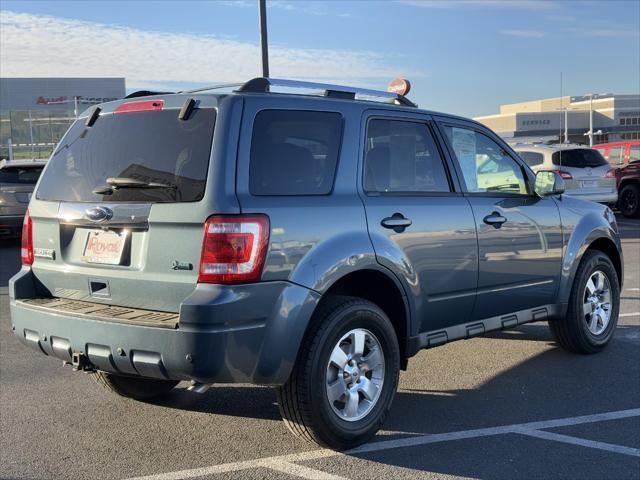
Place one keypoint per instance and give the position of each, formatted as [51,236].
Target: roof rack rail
[145,93]
[263,84]
[212,87]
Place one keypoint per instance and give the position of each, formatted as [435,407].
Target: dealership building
[36,112]
[614,117]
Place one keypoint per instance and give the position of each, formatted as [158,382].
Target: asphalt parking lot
[507,405]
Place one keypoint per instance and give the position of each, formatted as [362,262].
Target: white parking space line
[274,462]
[301,471]
[631,314]
[583,442]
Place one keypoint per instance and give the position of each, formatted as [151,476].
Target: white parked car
[585,171]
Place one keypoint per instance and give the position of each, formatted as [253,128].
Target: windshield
[579,157]
[146,146]
[20,175]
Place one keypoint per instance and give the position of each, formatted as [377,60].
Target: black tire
[303,402]
[629,200]
[572,332]
[138,388]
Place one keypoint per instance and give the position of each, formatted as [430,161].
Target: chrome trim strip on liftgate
[133,216]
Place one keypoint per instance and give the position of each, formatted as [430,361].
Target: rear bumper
[225,334]
[608,198]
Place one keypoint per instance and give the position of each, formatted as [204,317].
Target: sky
[464,57]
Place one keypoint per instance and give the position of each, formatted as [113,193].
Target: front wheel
[593,308]
[346,375]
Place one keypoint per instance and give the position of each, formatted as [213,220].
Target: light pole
[566,121]
[263,37]
[590,120]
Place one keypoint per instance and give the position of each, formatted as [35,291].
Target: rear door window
[402,157]
[634,153]
[579,157]
[294,152]
[148,147]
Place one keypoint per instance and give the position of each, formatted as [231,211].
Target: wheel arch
[592,233]
[628,181]
[608,247]
[382,289]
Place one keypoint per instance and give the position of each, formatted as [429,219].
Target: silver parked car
[586,173]
[18,178]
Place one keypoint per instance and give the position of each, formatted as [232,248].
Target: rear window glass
[532,158]
[294,152]
[579,157]
[150,147]
[19,175]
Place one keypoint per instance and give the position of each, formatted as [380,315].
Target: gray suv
[312,241]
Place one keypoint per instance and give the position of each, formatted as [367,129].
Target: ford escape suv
[313,241]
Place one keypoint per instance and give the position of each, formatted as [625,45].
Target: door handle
[494,219]
[396,222]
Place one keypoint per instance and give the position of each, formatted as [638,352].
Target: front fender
[582,223]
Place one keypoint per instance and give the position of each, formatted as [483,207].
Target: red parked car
[625,158]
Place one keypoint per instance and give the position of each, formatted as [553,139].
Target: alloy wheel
[355,374]
[597,302]
[629,201]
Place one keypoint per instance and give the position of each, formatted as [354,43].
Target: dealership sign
[41,100]
[545,121]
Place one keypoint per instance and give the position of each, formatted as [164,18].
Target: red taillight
[565,175]
[611,173]
[26,252]
[145,106]
[234,248]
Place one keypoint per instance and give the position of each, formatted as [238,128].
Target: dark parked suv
[17,180]
[313,242]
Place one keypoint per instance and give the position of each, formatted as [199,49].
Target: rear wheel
[629,200]
[346,375]
[138,388]
[593,308]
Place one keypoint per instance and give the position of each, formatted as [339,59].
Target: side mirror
[549,183]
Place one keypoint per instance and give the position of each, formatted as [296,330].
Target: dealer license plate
[104,247]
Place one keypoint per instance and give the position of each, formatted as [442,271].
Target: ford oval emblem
[98,214]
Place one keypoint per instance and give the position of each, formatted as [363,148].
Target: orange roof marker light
[399,86]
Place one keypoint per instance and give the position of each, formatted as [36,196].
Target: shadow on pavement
[9,259]
[552,384]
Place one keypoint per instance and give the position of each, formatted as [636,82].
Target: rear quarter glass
[150,146]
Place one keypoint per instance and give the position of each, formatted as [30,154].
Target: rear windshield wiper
[115,183]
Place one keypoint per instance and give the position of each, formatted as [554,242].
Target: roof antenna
[263,38]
